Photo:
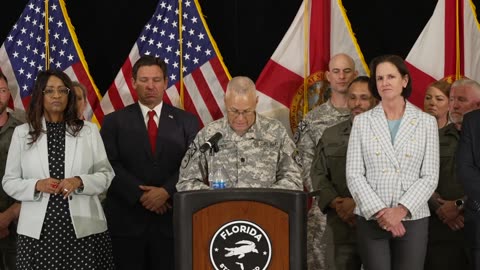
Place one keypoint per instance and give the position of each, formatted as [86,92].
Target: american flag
[204,74]
[24,53]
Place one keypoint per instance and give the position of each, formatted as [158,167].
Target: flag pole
[47,41]
[305,58]
[457,40]
[180,40]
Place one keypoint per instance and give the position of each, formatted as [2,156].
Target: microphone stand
[207,174]
[214,149]
[211,154]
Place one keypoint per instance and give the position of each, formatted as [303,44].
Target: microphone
[211,142]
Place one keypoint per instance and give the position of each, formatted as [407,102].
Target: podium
[241,228]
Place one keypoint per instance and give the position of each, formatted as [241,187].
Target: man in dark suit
[145,143]
[468,172]
[446,235]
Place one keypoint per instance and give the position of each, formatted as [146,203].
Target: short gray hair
[467,82]
[240,85]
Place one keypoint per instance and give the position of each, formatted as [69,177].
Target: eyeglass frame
[60,91]
[236,113]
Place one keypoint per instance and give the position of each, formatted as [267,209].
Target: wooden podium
[242,228]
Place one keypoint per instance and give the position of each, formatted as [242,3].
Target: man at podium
[249,150]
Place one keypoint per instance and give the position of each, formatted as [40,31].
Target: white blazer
[85,157]
[380,174]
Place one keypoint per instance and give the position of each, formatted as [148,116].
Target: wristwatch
[459,203]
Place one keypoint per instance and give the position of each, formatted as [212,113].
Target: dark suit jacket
[448,188]
[468,172]
[128,148]
[468,155]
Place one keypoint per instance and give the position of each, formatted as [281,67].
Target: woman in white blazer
[392,170]
[56,167]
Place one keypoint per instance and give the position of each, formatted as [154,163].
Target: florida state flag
[294,74]
[448,47]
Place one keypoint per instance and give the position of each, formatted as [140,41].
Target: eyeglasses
[61,91]
[237,113]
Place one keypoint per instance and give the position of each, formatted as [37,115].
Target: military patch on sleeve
[296,136]
[192,149]
[302,127]
[297,158]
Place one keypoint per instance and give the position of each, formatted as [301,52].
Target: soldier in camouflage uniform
[341,72]
[255,151]
[328,177]
[9,208]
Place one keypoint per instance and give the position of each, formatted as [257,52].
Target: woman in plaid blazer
[392,170]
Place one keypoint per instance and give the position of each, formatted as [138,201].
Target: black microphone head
[211,142]
[216,137]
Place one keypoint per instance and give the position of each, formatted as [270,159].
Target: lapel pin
[170,116]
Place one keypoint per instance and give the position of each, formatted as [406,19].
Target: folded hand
[155,199]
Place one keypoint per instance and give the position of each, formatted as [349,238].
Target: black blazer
[468,156]
[128,148]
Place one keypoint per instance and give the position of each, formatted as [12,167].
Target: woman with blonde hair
[436,101]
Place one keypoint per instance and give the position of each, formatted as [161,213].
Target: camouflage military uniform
[308,134]
[446,248]
[265,156]
[328,176]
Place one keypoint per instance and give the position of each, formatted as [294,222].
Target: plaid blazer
[381,174]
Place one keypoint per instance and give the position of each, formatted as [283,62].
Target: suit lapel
[42,150]
[138,123]
[381,133]
[166,124]
[70,150]
[407,127]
